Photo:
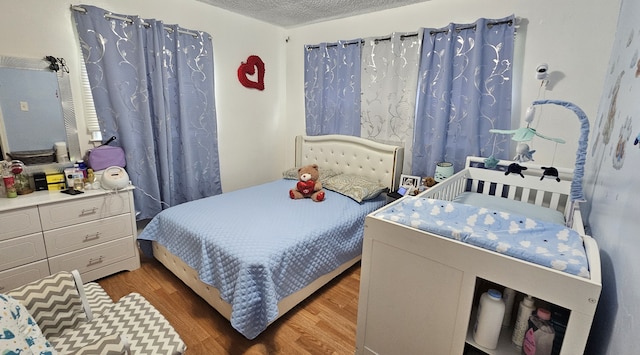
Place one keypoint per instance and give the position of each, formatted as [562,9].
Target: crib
[419,290]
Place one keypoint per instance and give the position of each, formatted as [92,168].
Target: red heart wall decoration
[253,64]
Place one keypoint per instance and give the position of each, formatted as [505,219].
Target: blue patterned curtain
[332,88]
[153,89]
[464,89]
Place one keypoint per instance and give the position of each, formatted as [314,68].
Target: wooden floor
[325,323]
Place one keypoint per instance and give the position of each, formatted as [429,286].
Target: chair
[82,319]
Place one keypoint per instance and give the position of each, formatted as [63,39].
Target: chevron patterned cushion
[146,330]
[54,303]
[113,344]
[144,326]
[99,301]
[131,325]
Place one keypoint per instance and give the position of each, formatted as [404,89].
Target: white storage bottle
[508,295]
[489,323]
[522,320]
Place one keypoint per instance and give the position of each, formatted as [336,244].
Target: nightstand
[392,196]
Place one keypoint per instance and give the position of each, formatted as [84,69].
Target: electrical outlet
[24,106]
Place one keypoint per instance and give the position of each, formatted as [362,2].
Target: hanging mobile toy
[525,134]
[515,168]
[491,162]
[550,172]
[523,153]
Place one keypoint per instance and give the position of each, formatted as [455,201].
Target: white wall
[612,187]
[249,121]
[560,33]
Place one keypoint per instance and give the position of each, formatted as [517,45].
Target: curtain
[332,88]
[389,77]
[464,89]
[153,89]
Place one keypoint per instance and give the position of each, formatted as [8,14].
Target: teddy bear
[429,181]
[308,185]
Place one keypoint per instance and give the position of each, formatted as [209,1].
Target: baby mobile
[524,153]
[576,194]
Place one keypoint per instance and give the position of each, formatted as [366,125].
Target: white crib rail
[449,188]
[546,192]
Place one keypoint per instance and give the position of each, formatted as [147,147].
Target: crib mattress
[542,242]
[257,246]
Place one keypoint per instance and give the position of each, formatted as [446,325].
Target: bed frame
[345,154]
[442,274]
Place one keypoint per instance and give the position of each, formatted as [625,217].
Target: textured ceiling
[292,13]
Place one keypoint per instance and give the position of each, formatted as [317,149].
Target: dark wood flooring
[324,323]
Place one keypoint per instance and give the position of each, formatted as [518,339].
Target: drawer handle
[93,261]
[89,211]
[90,237]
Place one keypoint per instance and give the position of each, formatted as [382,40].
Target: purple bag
[105,156]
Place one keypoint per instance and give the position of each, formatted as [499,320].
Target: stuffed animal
[308,185]
[523,153]
[515,168]
[429,181]
[550,172]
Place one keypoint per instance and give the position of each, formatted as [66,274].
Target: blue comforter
[257,246]
[544,243]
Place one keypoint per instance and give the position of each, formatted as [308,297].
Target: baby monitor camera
[542,71]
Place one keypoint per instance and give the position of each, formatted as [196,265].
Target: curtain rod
[108,15]
[489,24]
[402,37]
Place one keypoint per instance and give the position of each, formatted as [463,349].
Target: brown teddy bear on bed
[308,185]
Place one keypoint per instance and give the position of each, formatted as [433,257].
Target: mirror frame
[66,100]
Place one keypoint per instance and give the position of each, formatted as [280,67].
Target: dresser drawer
[19,222]
[88,259]
[67,239]
[21,250]
[76,211]
[24,274]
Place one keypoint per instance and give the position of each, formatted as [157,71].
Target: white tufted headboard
[352,155]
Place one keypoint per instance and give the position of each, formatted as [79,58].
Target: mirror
[36,107]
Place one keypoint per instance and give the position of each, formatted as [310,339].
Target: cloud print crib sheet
[544,243]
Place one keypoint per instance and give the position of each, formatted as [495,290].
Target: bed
[444,262]
[255,253]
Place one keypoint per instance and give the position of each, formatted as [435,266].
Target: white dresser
[47,231]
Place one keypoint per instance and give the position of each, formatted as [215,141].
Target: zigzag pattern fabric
[99,301]
[54,303]
[111,345]
[146,330]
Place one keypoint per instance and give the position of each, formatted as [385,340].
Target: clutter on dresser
[14,178]
[43,156]
[106,155]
